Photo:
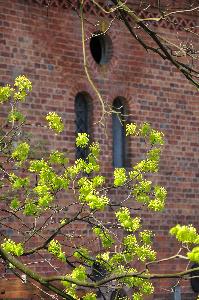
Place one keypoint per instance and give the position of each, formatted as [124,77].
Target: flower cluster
[128,223]
[185,234]
[55,122]
[105,237]
[54,247]
[21,152]
[11,247]
[119,176]
[23,86]
[82,140]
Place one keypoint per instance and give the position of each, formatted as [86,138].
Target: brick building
[44,43]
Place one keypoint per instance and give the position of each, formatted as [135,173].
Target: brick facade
[46,47]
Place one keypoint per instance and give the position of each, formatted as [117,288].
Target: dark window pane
[96,46]
[101,48]
[81,111]
[118,134]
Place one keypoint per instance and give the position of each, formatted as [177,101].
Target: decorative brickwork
[173,22]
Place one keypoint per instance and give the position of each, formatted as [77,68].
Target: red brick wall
[47,49]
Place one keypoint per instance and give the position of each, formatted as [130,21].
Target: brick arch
[120,92]
[81,87]
[75,89]
[85,87]
[89,101]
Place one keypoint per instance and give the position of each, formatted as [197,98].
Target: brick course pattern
[45,45]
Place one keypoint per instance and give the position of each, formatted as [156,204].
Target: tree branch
[42,280]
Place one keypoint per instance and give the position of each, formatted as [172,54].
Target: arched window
[81,120]
[118,131]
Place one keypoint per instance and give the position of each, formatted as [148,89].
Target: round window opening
[101,48]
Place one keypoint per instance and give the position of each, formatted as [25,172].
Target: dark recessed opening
[195,278]
[82,121]
[118,131]
[118,294]
[96,48]
[98,271]
[101,48]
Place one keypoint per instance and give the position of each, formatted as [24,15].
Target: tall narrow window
[118,133]
[82,121]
